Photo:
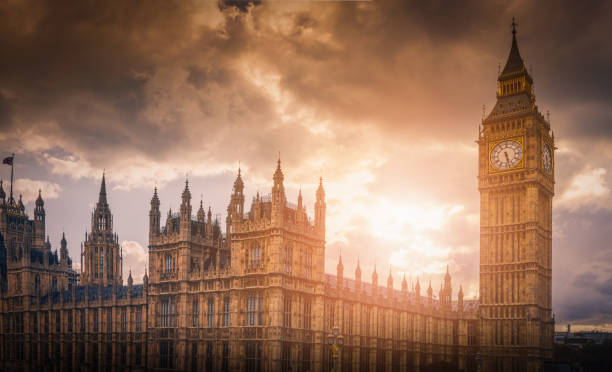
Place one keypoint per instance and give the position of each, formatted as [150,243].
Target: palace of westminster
[256,297]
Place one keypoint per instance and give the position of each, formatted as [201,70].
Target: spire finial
[514,24]
[102,198]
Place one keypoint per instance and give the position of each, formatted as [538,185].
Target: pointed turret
[185,213]
[299,201]
[145,281]
[63,249]
[201,213]
[186,202]
[404,285]
[130,281]
[446,292]
[235,209]
[102,196]
[320,207]
[460,300]
[154,217]
[39,220]
[417,291]
[340,273]
[278,189]
[429,295]
[358,277]
[209,229]
[375,281]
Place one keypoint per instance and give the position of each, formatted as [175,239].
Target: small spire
[514,62]
[102,198]
[238,183]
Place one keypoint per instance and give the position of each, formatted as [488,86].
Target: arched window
[256,255]
[37,283]
[54,284]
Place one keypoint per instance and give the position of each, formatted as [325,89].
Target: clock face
[506,155]
[547,159]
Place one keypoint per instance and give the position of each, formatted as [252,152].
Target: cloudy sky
[381,98]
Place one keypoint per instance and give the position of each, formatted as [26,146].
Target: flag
[8,160]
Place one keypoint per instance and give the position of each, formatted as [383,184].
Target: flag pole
[12,162]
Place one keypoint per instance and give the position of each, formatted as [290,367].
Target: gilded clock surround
[521,164]
[552,158]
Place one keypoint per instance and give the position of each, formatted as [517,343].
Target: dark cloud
[242,5]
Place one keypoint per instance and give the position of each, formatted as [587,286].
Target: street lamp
[335,340]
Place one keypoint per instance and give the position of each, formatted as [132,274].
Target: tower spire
[515,62]
[102,198]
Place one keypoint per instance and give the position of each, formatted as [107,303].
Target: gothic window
[168,263]
[226,312]
[209,356]
[109,321]
[366,321]
[194,357]
[256,255]
[37,283]
[18,283]
[287,311]
[138,354]
[348,329]
[166,354]
[308,263]
[211,312]
[225,356]
[123,354]
[285,356]
[54,284]
[110,264]
[46,322]
[288,258]
[34,322]
[167,313]
[123,320]
[95,320]
[18,322]
[138,320]
[253,356]
[254,310]
[82,319]
[95,263]
[195,311]
[307,313]
[305,357]
[69,316]
[57,322]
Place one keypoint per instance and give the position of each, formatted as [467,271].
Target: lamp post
[335,340]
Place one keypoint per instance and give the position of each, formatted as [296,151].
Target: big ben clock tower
[516,184]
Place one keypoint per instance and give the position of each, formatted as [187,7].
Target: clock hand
[507,159]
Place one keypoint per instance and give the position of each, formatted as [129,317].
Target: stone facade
[516,191]
[256,297]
